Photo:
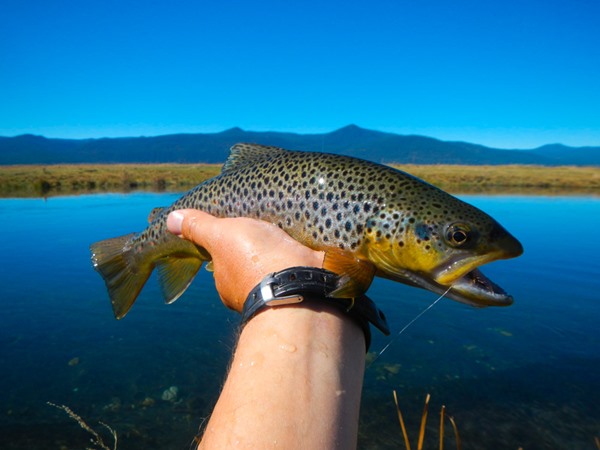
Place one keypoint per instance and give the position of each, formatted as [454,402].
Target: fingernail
[174,221]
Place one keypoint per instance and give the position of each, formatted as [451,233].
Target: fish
[369,219]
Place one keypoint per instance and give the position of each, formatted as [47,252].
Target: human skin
[296,376]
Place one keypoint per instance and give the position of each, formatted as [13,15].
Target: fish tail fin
[124,278]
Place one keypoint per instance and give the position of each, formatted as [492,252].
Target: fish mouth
[456,268]
[461,278]
[473,288]
[476,289]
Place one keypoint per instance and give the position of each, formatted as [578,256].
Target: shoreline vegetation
[73,179]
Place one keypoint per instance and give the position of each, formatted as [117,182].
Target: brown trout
[371,220]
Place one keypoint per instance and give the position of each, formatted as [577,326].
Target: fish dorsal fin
[155,213]
[242,155]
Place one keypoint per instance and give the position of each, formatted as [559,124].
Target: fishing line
[406,326]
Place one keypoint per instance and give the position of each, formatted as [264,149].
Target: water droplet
[290,348]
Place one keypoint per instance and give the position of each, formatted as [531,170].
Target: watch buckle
[266,291]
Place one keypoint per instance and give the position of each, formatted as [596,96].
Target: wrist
[311,287]
[301,329]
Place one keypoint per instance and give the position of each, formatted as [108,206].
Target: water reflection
[519,376]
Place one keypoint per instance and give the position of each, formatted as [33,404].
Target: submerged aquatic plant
[443,417]
[96,439]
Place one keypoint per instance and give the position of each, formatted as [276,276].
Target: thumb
[193,225]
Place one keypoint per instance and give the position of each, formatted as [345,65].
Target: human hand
[243,250]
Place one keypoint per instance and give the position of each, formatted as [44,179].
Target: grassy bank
[43,181]
[515,179]
[36,181]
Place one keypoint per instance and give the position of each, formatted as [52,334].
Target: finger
[192,224]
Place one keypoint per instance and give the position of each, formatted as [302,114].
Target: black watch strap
[298,284]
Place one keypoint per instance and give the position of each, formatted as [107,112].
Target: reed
[421,436]
[95,438]
[44,181]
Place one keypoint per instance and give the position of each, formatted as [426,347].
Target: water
[524,376]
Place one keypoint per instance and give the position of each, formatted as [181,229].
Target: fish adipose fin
[175,275]
[155,213]
[356,274]
[124,280]
[243,155]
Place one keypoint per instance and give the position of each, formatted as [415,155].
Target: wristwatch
[310,284]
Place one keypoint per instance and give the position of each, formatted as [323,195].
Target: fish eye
[458,234]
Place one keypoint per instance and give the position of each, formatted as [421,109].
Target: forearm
[295,382]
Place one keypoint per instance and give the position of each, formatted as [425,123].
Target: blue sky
[511,74]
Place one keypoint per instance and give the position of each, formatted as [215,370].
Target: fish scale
[370,219]
[312,199]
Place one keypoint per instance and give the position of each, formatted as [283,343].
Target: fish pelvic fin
[124,279]
[356,274]
[175,274]
[242,155]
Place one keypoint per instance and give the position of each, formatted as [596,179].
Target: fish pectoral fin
[155,213]
[356,274]
[175,273]
[124,279]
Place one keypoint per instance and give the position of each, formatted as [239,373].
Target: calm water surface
[524,376]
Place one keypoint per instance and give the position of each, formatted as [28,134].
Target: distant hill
[214,147]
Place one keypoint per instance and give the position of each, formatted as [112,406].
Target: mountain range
[214,148]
